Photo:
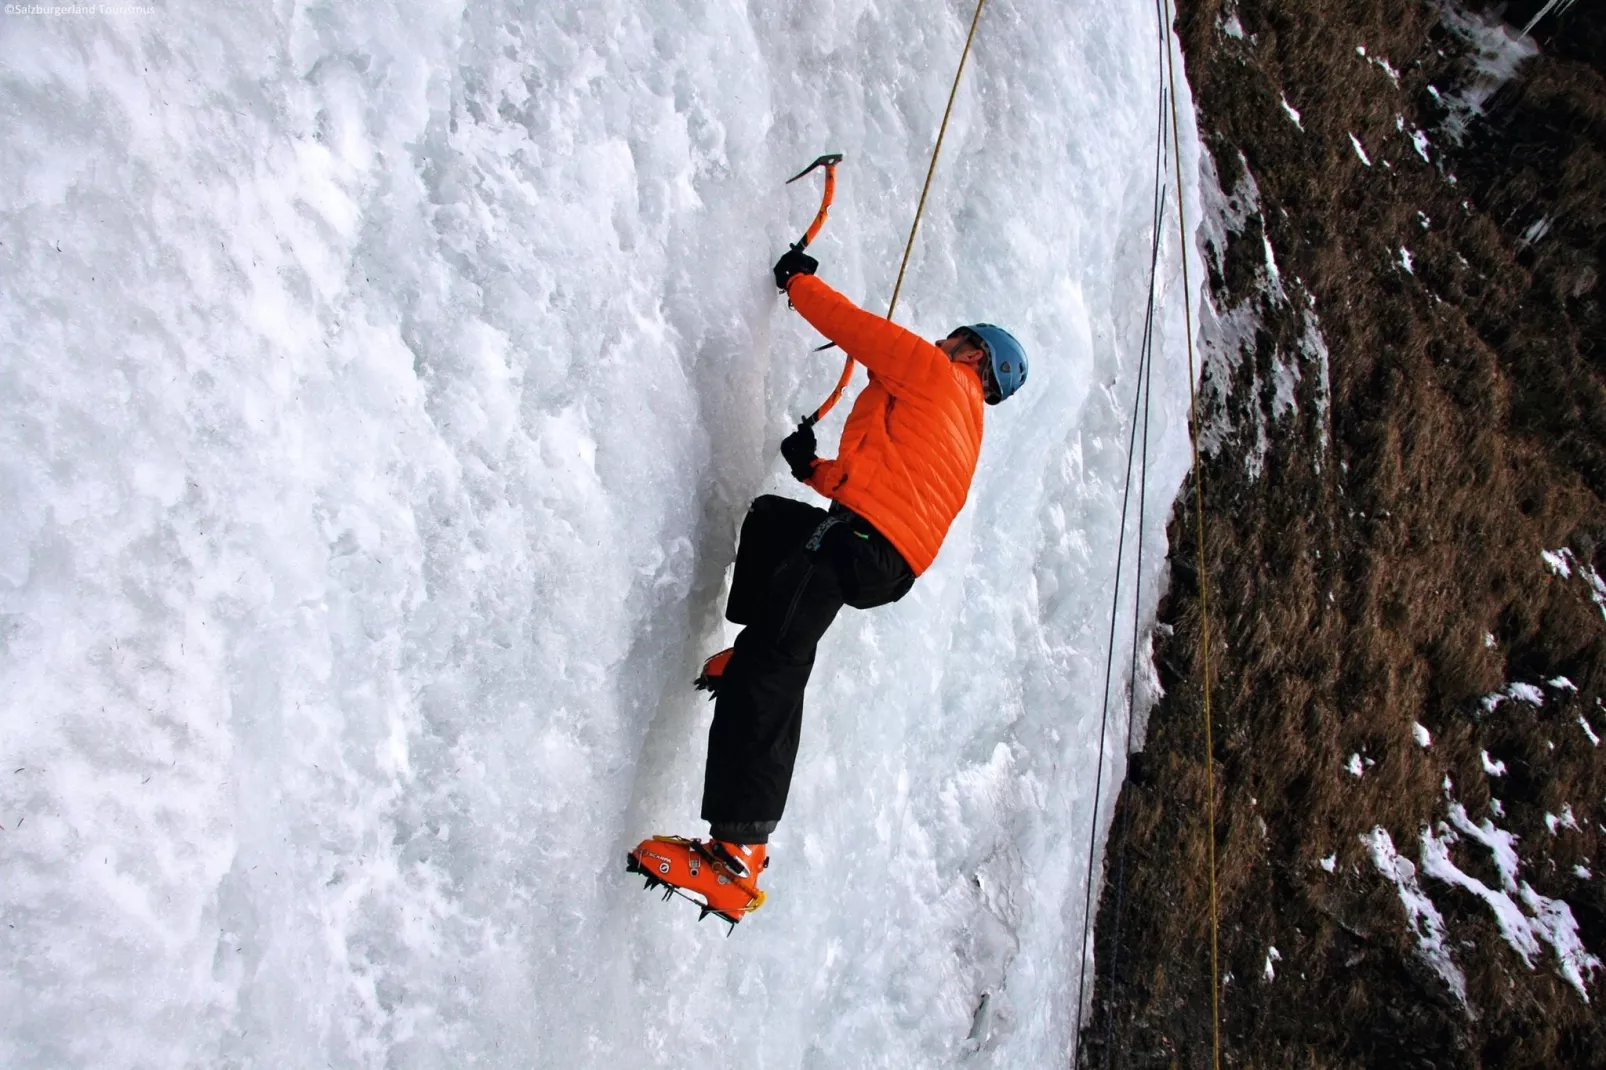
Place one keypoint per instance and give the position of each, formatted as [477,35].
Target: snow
[1272,956]
[1588,731]
[1423,737]
[384,389]
[1405,260]
[1528,693]
[1560,562]
[1289,109]
[1354,766]
[1564,820]
[1544,921]
[1597,589]
[1330,863]
[1582,873]
[1536,230]
[1488,637]
[1561,683]
[1497,51]
[1421,916]
[1359,151]
[1275,276]
[1490,766]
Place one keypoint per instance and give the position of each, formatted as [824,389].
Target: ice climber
[903,470]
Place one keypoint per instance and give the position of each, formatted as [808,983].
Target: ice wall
[382,388]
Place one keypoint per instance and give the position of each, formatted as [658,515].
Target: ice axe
[829,162]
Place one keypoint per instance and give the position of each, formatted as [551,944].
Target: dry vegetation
[1354,579]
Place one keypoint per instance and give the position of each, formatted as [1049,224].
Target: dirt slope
[1375,523]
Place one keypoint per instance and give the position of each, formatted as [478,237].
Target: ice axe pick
[829,162]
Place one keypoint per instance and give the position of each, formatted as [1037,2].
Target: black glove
[793,262]
[798,449]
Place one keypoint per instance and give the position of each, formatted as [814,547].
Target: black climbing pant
[796,566]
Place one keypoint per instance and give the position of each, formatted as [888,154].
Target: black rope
[1140,402]
[1131,709]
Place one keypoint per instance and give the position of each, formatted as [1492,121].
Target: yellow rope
[941,132]
[847,367]
[1204,585]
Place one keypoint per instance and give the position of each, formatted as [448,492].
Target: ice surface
[384,386]
[1424,738]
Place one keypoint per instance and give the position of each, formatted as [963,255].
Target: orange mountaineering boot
[721,877]
[714,672]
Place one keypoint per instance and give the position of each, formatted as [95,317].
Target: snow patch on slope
[1229,338]
[1421,916]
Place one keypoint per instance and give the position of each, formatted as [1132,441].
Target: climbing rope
[1139,401]
[1204,580]
[942,131]
[1146,389]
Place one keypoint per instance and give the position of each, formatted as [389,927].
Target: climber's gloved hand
[793,262]
[799,447]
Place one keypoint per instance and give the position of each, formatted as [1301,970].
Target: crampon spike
[653,882]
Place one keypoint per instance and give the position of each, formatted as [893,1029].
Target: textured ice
[384,386]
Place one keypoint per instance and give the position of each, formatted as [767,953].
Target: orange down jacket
[910,445]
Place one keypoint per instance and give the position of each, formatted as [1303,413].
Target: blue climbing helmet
[1006,360]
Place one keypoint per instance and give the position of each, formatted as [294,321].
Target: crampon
[720,878]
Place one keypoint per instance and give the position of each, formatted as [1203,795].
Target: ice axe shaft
[829,162]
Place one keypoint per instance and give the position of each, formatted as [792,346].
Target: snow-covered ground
[382,388]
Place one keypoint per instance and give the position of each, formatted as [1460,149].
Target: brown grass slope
[1354,579]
